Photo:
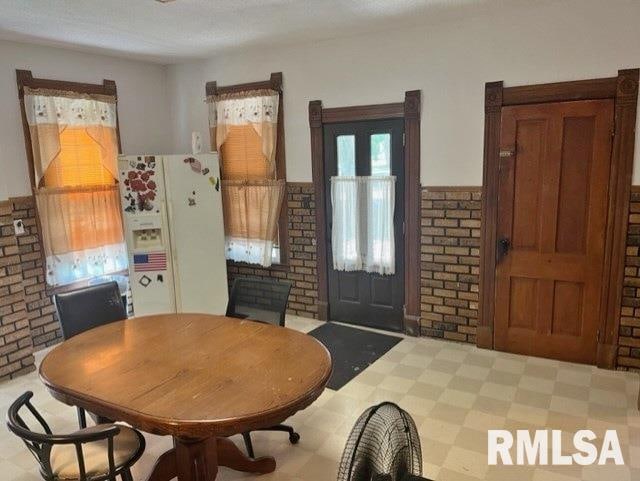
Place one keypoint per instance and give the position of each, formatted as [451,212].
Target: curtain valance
[50,112]
[258,108]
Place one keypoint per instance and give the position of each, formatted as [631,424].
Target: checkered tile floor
[455,392]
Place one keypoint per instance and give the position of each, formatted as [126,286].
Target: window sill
[274,266]
[53,290]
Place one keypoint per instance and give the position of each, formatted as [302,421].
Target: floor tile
[455,393]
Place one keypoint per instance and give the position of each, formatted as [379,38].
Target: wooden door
[552,214]
[366,148]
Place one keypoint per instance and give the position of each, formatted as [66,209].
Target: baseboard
[607,356]
[323,311]
[412,325]
[484,337]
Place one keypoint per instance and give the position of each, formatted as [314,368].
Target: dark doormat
[352,350]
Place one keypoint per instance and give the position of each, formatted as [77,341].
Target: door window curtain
[74,142]
[362,231]
[243,128]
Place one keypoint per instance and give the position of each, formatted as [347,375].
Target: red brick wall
[301,268]
[629,335]
[450,260]
[450,239]
[450,257]
[16,347]
[45,329]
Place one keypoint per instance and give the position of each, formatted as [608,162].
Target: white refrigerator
[172,213]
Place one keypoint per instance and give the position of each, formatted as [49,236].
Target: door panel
[523,306]
[366,148]
[568,299]
[531,141]
[552,213]
[381,295]
[575,179]
[349,287]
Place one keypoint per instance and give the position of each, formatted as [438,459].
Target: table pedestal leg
[199,461]
[230,456]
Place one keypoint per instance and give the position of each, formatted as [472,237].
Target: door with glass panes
[370,154]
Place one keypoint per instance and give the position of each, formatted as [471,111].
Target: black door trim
[410,111]
[363,310]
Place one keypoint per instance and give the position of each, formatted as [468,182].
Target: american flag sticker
[155,261]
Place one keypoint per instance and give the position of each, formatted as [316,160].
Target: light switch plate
[18,226]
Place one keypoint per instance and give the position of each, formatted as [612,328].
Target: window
[380,154]
[78,162]
[72,131]
[346,146]
[244,160]
[246,124]
[243,155]
[362,198]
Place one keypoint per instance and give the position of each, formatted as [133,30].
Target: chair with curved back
[263,301]
[98,453]
[85,308]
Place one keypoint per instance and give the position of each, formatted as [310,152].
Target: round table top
[189,375]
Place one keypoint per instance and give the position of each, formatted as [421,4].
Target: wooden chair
[92,454]
[263,301]
[83,309]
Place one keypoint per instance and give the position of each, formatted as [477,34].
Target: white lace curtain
[362,233]
[80,218]
[243,128]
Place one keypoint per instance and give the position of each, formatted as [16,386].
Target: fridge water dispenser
[147,232]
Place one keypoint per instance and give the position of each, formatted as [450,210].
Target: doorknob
[504,245]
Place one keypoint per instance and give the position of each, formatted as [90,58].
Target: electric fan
[382,446]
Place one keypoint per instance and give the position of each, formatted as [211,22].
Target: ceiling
[188,29]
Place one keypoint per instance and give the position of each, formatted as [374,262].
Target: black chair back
[41,443]
[259,300]
[89,307]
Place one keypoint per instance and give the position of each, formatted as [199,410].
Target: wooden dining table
[199,378]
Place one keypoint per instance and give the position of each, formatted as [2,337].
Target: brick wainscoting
[449,274]
[45,329]
[450,258]
[629,338]
[16,346]
[301,269]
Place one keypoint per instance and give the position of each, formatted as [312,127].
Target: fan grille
[383,443]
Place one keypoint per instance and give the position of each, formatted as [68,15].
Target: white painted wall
[142,108]
[450,63]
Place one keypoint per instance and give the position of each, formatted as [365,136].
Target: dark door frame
[623,89]
[409,110]
[369,310]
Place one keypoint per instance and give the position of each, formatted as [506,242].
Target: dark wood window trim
[409,110]
[624,90]
[25,78]
[274,83]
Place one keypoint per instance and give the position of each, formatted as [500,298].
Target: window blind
[242,155]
